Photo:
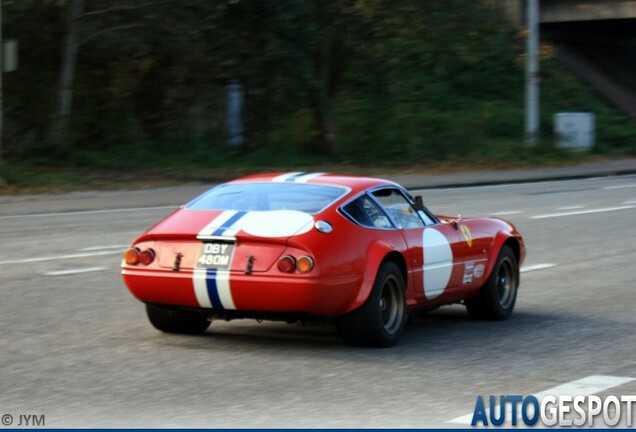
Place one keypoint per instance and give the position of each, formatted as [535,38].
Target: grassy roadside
[438,89]
[34,179]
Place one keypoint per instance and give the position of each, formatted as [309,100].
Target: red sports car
[361,252]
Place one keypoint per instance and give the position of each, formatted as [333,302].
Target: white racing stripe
[74,271]
[212,286]
[284,177]
[58,257]
[223,288]
[218,223]
[583,387]
[200,284]
[305,178]
[536,267]
[296,177]
[86,212]
[582,212]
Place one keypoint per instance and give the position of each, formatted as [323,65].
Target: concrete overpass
[558,11]
[596,39]
[562,11]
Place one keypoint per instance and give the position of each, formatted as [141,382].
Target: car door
[433,265]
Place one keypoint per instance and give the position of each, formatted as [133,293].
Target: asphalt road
[77,348]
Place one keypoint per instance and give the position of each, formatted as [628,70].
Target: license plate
[216,255]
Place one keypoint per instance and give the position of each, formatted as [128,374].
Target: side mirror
[419,203]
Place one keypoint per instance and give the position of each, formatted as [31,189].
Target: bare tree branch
[108,30]
[123,8]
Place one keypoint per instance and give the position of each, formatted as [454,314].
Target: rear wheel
[380,320]
[171,320]
[496,298]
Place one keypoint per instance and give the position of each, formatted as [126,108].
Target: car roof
[355,183]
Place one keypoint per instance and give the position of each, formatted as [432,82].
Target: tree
[67,73]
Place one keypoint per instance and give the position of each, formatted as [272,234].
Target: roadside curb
[619,167]
[454,185]
[164,197]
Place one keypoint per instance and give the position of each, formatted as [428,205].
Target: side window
[428,220]
[398,207]
[367,213]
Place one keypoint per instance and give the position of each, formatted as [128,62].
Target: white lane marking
[577,207]
[582,212]
[506,213]
[99,248]
[58,257]
[630,202]
[583,387]
[85,212]
[74,271]
[536,267]
[623,186]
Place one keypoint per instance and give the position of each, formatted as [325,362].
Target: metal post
[532,73]
[235,112]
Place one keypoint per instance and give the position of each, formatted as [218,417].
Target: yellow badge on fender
[467,235]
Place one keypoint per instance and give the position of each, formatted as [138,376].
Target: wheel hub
[383,304]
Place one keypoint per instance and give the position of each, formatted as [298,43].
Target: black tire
[381,319]
[496,298]
[171,320]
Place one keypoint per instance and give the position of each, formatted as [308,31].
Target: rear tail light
[131,256]
[305,264]
[134,256]
[287,264]
[147,257]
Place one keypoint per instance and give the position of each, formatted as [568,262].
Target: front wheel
[496,298]
[172,320]
[380,320]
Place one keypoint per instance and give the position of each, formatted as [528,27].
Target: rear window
[307,198]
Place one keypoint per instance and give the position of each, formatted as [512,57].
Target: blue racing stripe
[228,224]
[295,177]
[213,291]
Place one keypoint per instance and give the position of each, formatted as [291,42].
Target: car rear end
[238,263]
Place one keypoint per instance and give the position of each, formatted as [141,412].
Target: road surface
[77,348]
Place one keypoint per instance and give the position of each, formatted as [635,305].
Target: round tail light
[305,264]
[147,257]
[131,256]
[287,264]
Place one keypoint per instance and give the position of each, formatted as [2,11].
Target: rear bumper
[325,296]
